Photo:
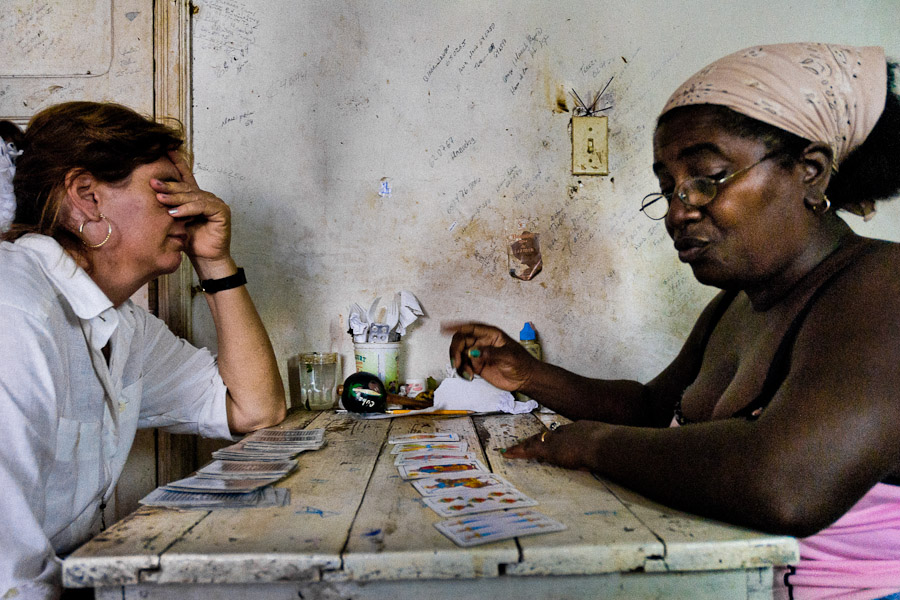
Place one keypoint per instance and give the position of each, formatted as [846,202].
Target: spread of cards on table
[242,475]
[454,483]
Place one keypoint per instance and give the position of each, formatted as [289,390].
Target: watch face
[364,393]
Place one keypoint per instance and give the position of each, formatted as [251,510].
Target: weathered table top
[354,525]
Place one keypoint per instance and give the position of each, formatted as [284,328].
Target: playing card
[246,469]
[239,451]
[279,440]
[419,470]
[428,446]
[424,437]
[313,436]
[204,484]
[426,455]
[501,525]
[262,498]
[465,502]
[471,481]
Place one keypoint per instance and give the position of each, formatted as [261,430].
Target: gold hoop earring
[106,239]
[820,208]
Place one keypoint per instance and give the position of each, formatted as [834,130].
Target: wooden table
[355,529]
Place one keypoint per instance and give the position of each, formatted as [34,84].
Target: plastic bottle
[528,339]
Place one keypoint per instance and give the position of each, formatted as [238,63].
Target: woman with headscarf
[782,410]
[96,201]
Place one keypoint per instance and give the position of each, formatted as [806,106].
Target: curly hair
[107,140]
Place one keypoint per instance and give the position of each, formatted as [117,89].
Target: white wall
[303,108]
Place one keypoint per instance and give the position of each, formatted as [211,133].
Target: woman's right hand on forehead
[209,218]
[479,349]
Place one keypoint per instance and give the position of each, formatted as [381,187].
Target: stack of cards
[273,445]
[242,474]
[243,469]
[454,482]
[209,485]
[262,498]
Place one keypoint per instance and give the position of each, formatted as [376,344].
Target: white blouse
[67,417]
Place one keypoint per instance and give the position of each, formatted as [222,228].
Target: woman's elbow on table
[788,504]
[245,415]
[789,516]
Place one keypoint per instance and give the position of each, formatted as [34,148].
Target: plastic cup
[382,360]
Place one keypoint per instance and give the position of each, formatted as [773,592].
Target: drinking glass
[318,379]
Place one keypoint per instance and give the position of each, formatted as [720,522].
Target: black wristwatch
[211,286]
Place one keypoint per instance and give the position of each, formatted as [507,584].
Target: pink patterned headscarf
[821,92]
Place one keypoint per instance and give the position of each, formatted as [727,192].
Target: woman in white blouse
[104,202]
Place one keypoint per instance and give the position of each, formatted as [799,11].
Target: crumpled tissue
[410,310]
[455,393]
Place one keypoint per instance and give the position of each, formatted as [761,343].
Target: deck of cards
[262,498]
[241,476]
[454,483]
[273,445]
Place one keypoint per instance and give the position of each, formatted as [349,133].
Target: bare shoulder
[834,420]
[871,282]
[859,314]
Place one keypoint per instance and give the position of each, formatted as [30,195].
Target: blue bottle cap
[527,333]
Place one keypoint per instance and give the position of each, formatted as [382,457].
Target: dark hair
[107,140]
[870,172]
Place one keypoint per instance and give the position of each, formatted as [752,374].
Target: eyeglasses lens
[655,206]
[698,191]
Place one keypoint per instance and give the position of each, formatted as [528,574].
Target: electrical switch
[590,152]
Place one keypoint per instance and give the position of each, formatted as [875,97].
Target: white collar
[76,286]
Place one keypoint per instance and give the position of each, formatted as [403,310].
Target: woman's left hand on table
[566,446]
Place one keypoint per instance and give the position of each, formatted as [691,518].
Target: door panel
[75,50]
[55,51]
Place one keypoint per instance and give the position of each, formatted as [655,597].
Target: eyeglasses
[694,192]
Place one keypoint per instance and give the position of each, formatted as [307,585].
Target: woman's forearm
[724,470]
[577,397]
[246,360]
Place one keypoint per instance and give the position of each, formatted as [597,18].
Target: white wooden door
[104,50]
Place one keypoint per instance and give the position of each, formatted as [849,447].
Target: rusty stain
[562,105]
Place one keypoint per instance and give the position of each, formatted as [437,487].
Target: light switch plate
[590,151]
